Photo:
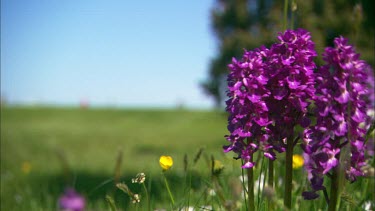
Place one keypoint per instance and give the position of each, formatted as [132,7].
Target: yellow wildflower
[165,162]
[26,167]
[217,167]
[297,161]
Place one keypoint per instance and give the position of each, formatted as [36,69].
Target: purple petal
[270,155]
[310,195]
[341,129]
[279,93]
[305,122]
[248,165]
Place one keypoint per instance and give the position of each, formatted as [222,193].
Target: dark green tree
[249,24]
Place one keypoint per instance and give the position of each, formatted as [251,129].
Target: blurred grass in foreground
[35,143]
[44,150]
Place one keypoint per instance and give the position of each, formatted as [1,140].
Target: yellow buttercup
[166,162]
[297,161]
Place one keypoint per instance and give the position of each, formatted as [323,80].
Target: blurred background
[93,92]
[116,53]
[121,53]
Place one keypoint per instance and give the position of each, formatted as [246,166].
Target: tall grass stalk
[285,22]
[149,191]
[260,195]
[188,189]
[111,203]
[270,181]
[293,11]
[243,185]
[216,170]
[250,187]
[218,190]
[288,172]
[147,197]
[117,170]
[65,166]
[270,173]
[187,179]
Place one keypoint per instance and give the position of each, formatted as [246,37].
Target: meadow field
[44,150]
[86,143]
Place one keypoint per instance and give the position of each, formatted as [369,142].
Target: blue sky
[116,53]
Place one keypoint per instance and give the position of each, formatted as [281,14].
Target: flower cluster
[139,178]
[341,106]
[269,91]
[292,80]
[246,105]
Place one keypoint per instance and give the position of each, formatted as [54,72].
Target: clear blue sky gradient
[116,53]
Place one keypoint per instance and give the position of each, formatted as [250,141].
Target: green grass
[89,141]
[79,148]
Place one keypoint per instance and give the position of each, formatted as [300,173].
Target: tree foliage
[249,24]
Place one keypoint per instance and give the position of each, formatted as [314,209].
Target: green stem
[285,15]
[188,200]
[147,197]
[260,196]
[270,173]
[250,188]
[218,189]
[270,182]
[292,15]
[244,186]
[168,189]
[335,192]
[288,173]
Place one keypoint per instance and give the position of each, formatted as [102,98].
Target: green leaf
[124,188]
[111,203]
